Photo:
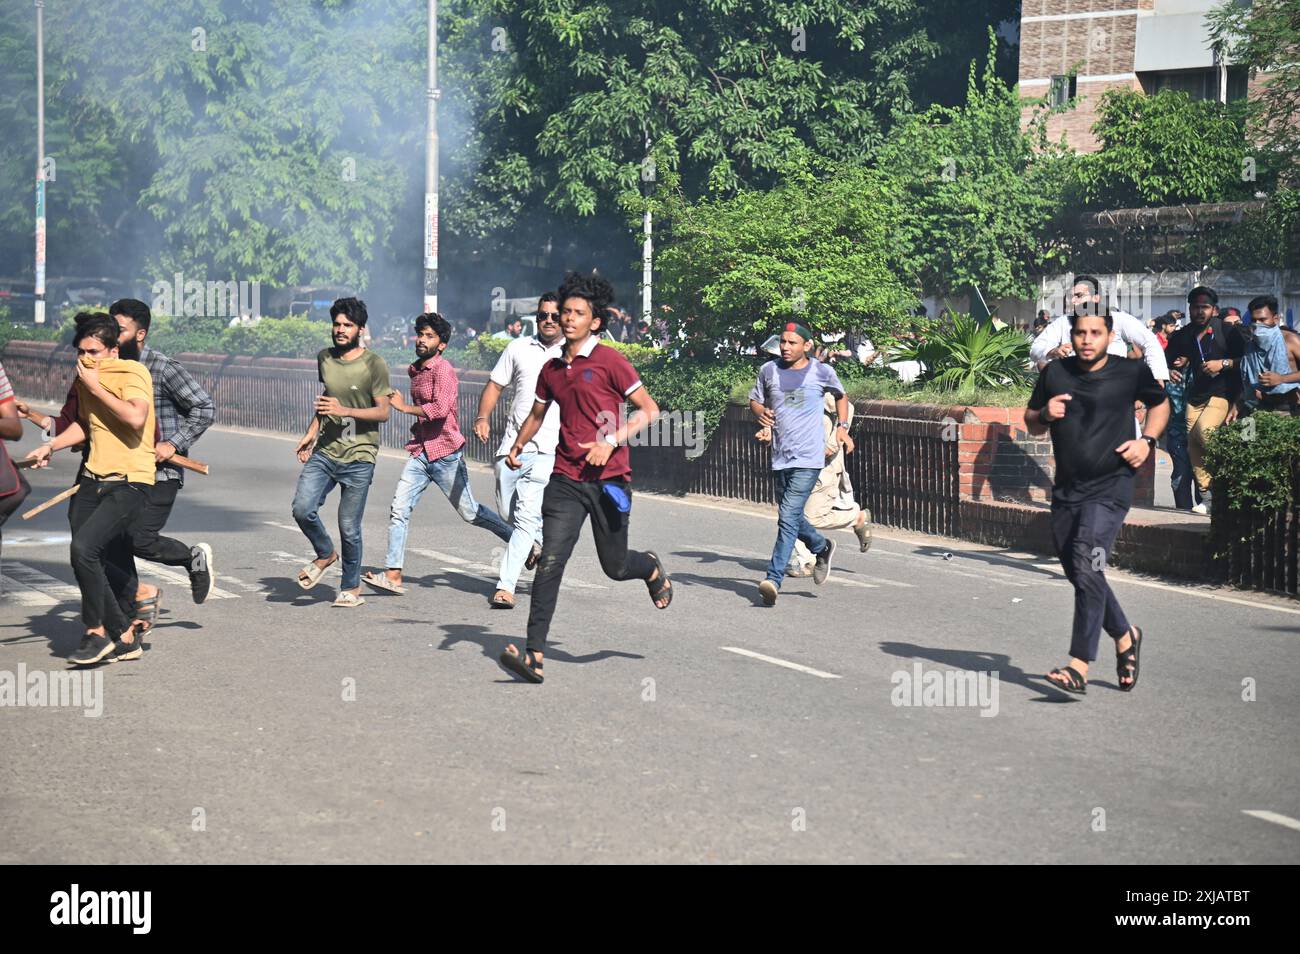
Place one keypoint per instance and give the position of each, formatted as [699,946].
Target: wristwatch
[1150,440]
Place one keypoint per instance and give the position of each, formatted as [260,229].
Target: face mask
[1266,334]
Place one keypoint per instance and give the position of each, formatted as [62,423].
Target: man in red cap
[788,398]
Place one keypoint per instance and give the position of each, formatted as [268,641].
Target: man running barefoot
[519,492]
[115,408]
[1087,402]
[593,474]
[435,449]
[345,436]
[788,399]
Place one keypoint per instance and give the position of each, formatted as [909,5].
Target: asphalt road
[267,726]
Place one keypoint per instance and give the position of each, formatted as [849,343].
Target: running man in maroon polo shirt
[590,382]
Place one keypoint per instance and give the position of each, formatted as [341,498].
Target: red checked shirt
[590,393]
[433,390]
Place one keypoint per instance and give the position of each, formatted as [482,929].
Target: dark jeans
[1084,534]
[794,485]
[320,475]
[565,507]
[103,515]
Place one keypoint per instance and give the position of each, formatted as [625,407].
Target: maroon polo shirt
[590,393]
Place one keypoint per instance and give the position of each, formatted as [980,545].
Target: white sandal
[381,582]
[348,599]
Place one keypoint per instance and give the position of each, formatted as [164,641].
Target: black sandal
[1131,655]
[660,584]
[1074,681]
[522,666]
[146,611]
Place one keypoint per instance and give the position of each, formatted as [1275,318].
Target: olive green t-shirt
[356,383]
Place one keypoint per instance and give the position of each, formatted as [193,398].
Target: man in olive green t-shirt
[345,435]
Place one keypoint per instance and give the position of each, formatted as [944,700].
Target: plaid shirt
[182,408]
[434,390]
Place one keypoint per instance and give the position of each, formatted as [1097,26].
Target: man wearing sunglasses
[519,492]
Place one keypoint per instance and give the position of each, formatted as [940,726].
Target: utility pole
[40,163]
[431,170]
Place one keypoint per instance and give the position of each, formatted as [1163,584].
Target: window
[1063,89]
[1199,84]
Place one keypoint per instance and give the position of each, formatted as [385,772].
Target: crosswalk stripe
[50,586]
[156,571]
[874,583]
[491,571]
[11,591]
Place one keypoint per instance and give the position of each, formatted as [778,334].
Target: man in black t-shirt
[1087,401]
[1212,350]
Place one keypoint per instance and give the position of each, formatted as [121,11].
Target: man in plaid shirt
[435,449]
[183,411]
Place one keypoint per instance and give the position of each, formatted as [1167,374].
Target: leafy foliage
[816,249]
[1167,149]
[1254,462]
[1266,34]
[967,355]
[979,193]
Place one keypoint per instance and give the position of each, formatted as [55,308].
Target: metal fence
[1261,549]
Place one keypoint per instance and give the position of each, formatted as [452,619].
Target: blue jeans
[519,500]
[1176,443]
[794,485]
[452,478]
[318,478]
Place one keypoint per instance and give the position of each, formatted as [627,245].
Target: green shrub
[967,355]
[1252,461]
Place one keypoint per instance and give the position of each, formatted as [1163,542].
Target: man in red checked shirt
[590,382]
[435,448]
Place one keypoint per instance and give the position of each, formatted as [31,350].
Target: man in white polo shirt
[1054,342]
[519,492]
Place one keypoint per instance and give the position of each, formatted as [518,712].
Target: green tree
[816,249]
[980,191]
[1265,35]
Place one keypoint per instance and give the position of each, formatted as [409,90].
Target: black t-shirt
[1098,418]
[1216,342]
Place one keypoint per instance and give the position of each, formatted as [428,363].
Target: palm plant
[967,355]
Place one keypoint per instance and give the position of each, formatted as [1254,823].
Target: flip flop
[381,582]
[502,600]
[347,600]
[520,665]
[310,575]
[534,555]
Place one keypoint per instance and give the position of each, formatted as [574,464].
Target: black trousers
[102,515]
[1084,534]
[566,504]
[147,541]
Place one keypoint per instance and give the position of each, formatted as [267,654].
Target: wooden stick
[184,462]
[58,498]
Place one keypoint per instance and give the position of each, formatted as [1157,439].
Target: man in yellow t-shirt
[115,414]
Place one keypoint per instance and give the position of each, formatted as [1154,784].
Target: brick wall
[999,460]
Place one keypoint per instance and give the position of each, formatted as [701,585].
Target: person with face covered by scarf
[116,420]
[1268,368]
[184,411]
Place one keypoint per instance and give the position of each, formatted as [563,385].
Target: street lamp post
[431,170]
[40,163]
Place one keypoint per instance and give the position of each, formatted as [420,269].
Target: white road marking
[167,574]
[11,591]
[780,662]
[1273,817]
[282,526]
[875,582]
[50,586]
[48,540]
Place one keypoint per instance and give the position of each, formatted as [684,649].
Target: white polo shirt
[518,367]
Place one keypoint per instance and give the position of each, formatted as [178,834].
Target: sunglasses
[548,316]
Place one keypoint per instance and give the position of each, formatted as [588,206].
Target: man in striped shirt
[435,449]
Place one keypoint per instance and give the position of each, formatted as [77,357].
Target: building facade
[1147,45]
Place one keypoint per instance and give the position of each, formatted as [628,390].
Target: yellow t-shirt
[115,447]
